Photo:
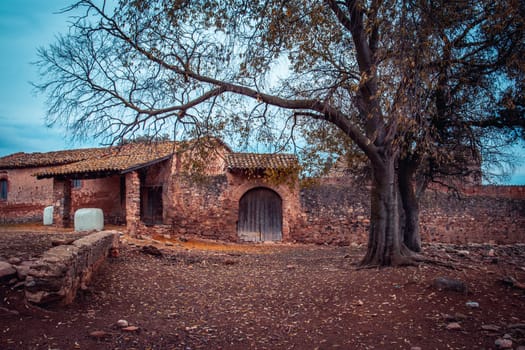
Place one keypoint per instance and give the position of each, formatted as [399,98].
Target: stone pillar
[132,202]
[61,202]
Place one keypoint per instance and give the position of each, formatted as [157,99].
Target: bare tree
[361,67]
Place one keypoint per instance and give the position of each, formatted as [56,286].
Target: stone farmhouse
[204,189]
[187,188]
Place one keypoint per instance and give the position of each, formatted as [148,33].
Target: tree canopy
[411,85]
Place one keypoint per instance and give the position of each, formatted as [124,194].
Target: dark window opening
[76,183]
[3,189]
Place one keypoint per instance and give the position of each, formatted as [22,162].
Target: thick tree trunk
[410,205]
[385,246]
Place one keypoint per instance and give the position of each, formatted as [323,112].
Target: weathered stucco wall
[27,197]
[104,193]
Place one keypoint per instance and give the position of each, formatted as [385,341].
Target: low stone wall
[62,270]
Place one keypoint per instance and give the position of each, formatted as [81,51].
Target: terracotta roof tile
[246,161]
[115,159]
[37,159]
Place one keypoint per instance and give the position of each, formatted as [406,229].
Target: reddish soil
[211,295]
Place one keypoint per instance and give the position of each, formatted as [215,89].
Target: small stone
[151,250]
[290,267]
[503,343]
[14,260]
[459,316]
[491,253]
[168,244]
[453,326]
[6,270]
[130,329]
[98,334]
[463,252]
[443,283]
[122,323]
[472,304]
[415,348]
[490,327]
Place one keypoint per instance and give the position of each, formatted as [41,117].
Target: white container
[87,219]
[48,215]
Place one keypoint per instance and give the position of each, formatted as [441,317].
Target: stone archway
[260,216]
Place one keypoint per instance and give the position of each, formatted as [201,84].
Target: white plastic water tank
[48,215]
[87,219]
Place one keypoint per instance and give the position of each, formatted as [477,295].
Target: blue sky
[26,25]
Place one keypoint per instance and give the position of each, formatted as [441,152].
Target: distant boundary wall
[337,212]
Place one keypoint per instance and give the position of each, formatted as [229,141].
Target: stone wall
[335,212]
[62,270]
[474,218]
[201,208]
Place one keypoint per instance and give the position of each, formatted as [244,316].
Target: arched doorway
[260,216]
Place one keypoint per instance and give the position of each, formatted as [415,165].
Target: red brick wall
[27,197]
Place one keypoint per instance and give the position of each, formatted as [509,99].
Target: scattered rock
[6,270]
[130,329]
[454,326]
[443,283]
[122,323]
[490,327]
[503,343]
[462,252]
[151,250]
[415,348]
[99,334]
[168,244]
[472,304]
[14,260]
[491,253]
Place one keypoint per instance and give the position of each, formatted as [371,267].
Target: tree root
[409,258]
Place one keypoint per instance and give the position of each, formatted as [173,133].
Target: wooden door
[152,205]
[260,216]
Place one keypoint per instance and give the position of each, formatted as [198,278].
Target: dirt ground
[212,295]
